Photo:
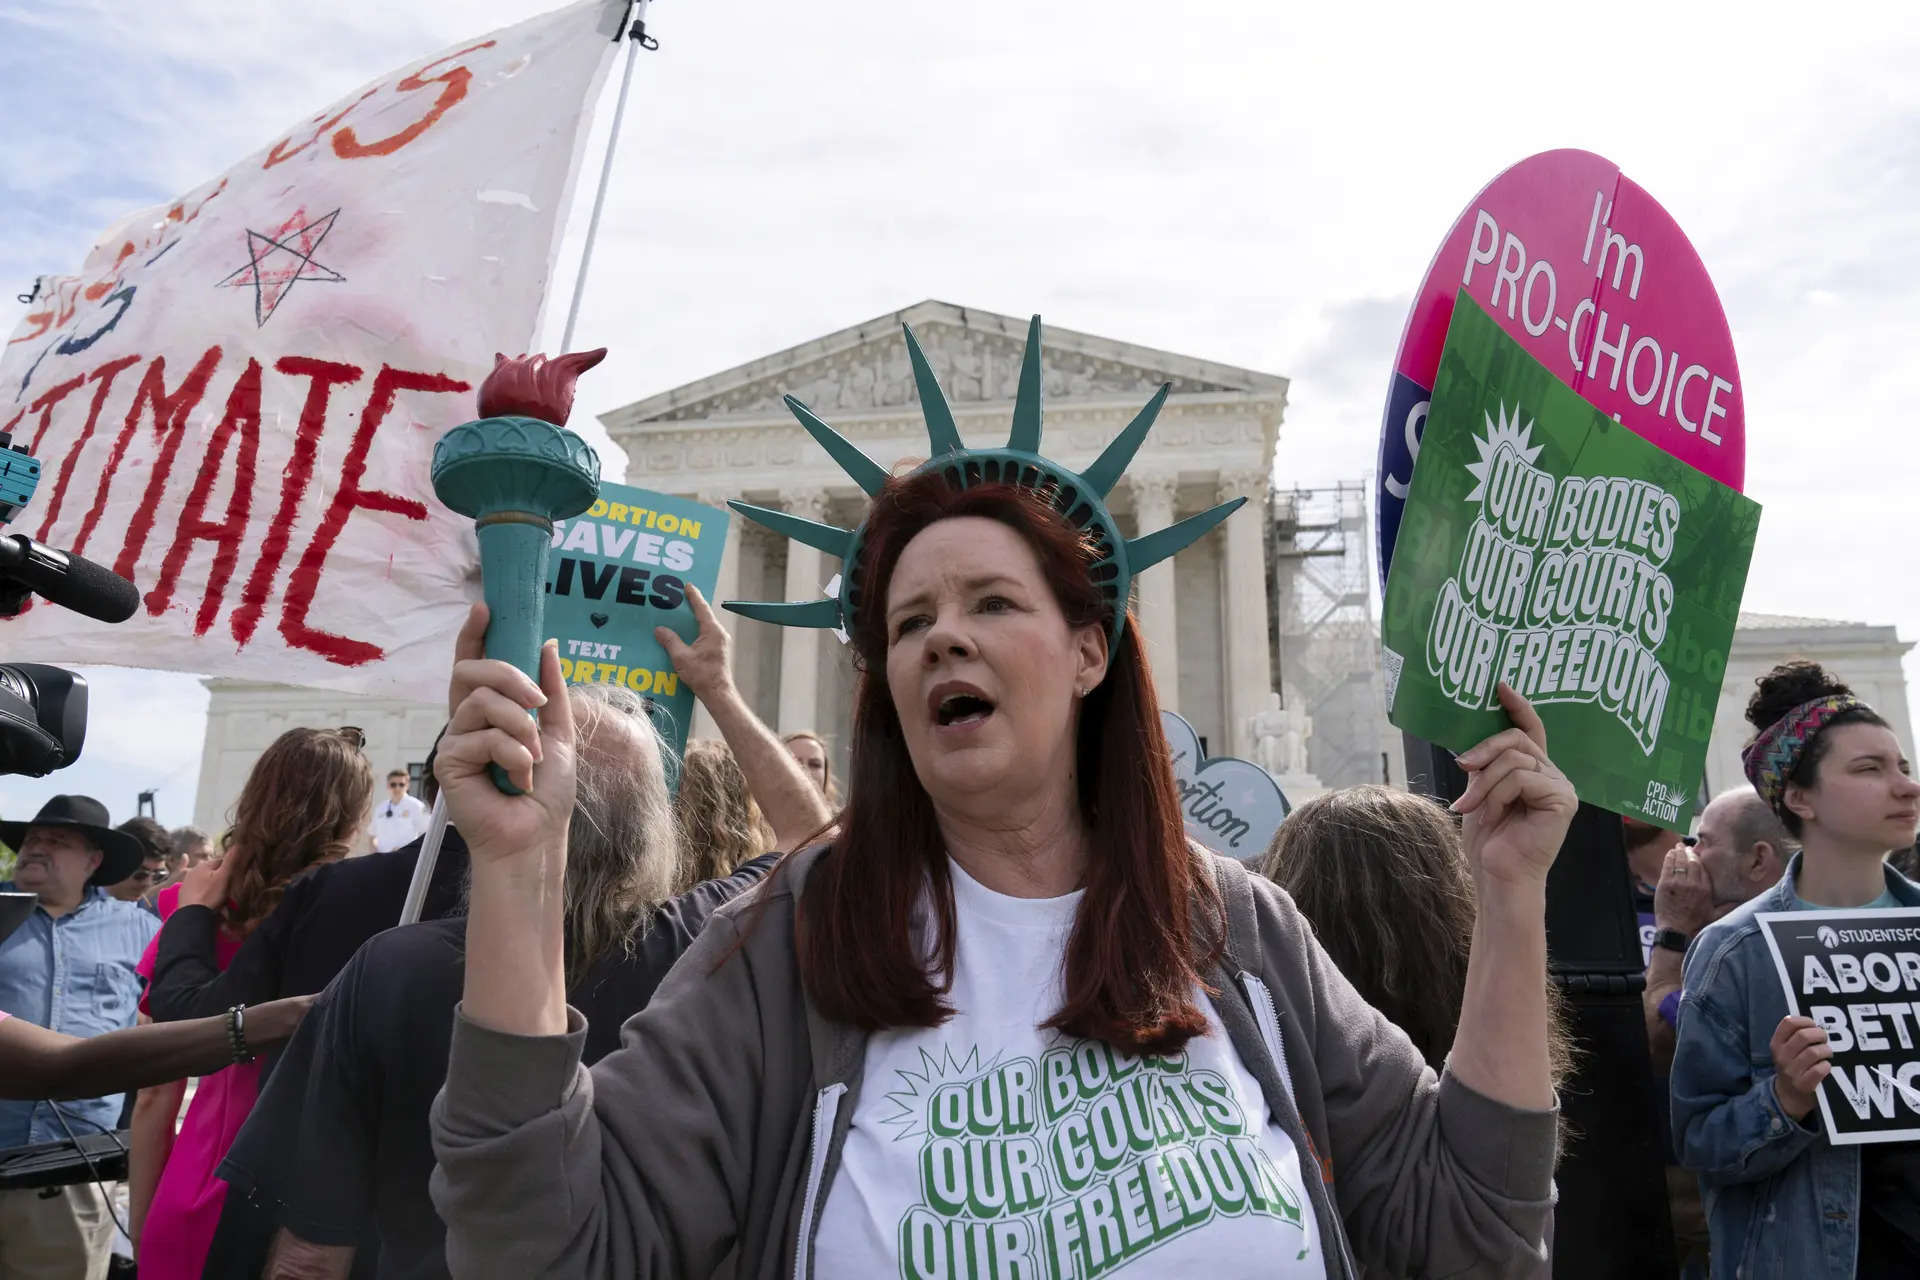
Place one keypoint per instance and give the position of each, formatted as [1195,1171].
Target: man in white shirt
[400,818]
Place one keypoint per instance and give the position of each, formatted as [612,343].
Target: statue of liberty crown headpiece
[1079,498]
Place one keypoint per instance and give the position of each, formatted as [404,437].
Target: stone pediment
[975,354]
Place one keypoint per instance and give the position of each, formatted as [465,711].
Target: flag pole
[637,37]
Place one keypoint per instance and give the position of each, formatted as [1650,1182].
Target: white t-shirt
[398,822]
[991,1148]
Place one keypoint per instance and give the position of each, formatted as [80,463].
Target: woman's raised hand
[1517,804]
[205,884]
[488,724]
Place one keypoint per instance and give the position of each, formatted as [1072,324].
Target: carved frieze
[973,366]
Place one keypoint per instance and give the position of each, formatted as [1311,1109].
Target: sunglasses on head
[355,736]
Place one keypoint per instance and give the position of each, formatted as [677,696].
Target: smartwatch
[1672,940]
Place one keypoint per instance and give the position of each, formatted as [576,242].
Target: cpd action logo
[1828,938]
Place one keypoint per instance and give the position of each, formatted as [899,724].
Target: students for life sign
[235,400]
[1585,270]
[1857,974]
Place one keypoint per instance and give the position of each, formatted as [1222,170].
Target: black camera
[43,718]
[43,709]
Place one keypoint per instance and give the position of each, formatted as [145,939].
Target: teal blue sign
[618,571]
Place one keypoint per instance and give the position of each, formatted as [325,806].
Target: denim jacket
[73,974]
[1782,1202]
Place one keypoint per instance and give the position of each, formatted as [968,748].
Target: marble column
[726,587]
[800,646]
[1249,662]
[1153,497]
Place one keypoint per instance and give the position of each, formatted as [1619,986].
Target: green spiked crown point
[1080,498]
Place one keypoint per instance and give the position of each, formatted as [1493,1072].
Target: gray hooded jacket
[716,1128]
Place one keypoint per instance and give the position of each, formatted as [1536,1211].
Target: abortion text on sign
[617,571]
[1857,974]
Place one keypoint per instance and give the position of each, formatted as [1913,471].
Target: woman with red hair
[1007,1021]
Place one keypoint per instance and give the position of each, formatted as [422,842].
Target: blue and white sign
[1231,806]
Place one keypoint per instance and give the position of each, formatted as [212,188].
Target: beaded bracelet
[237,1033]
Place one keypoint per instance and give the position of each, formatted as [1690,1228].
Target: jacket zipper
[1269,1019]
[826,1107]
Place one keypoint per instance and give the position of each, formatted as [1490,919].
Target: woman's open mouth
[958,706]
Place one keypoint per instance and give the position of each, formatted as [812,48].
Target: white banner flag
[235,402]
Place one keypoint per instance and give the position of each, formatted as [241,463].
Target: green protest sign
[1549,547]
[617,572]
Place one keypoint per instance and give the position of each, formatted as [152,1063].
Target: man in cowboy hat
[70,968]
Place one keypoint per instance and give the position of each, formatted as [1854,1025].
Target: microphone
[65,579]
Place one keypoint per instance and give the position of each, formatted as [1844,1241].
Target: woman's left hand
[205,884]
[1517,805]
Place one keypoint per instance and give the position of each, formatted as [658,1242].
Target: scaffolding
[1326,652]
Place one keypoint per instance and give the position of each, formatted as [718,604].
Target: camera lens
[43,718]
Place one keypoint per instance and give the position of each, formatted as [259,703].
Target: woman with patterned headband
[1006,1021]
[1781,1200]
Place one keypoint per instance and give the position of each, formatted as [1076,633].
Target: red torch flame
[534,386]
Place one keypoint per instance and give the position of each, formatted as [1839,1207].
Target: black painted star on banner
[278,259]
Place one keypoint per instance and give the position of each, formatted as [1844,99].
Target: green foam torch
[516,469]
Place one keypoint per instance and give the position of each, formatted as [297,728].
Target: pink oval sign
[1593,277]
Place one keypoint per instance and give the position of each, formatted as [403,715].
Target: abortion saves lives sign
[1553,550]
[615,573]
[1857,974]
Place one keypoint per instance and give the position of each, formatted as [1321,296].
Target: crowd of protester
[608,1086]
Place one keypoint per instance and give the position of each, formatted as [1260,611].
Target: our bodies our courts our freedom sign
[1553,550]
[1857,974]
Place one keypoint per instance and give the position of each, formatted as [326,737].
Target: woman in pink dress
[306,802]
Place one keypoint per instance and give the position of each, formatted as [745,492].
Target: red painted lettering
[43,319]
[104,285]
[49,399]
[326,375]
[242,418]
[104,375]
[322,123]
[453,82]
[305,580]
[169,414]
[169,424]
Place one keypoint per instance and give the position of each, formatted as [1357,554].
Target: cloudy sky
[1252,183]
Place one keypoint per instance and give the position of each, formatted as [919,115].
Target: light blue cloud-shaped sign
[1231,806]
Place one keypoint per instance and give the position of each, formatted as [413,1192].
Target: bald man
[1740,850]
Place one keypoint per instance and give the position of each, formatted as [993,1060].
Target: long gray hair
[623,847]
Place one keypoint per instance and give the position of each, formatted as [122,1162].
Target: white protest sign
[236,398]
[1857,974]
[1231,806]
